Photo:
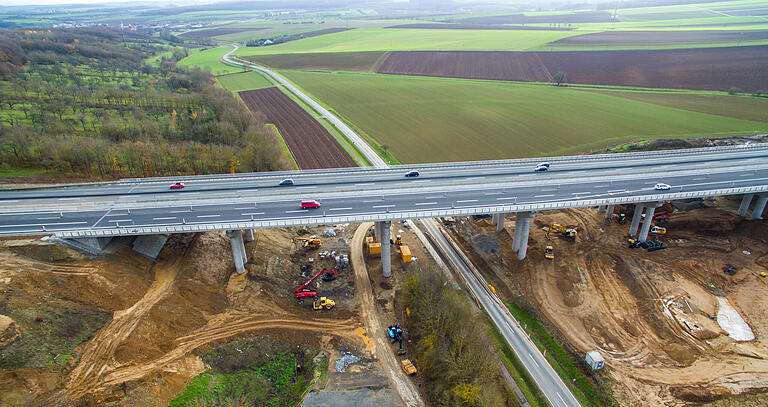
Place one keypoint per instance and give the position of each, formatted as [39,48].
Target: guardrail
[322,219]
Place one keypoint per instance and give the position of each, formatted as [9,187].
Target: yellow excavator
[568,232]
[311,242]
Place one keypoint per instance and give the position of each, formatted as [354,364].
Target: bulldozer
[549,253]
[312,242]
[398,240]
[568,232]
[323,302]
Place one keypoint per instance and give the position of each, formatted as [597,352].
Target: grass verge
[283,147]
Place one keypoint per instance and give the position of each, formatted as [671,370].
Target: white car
[662,187]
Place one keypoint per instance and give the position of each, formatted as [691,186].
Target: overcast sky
[46,2]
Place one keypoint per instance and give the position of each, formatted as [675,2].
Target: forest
[93,103]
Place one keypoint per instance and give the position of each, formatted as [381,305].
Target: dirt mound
[8,330]
[707,220]
[699,394]
[43,251]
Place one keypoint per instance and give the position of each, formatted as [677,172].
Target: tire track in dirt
[98,354]
[400,382]
[223,330]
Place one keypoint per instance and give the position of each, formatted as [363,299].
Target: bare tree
[559,78]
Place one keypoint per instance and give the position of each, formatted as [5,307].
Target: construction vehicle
[633,243]
[303,291]
[730,270]
[408,366]
[658,230]
[330,275]
[405,253]
[568,232]
[342,261]
[549,252]
[323,302]
[312,242]
[395,334]
[372,246]
[653,245]
[620,217]
[398,240]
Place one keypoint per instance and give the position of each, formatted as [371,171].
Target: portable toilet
[595,360]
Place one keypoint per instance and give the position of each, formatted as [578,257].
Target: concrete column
[386,249]
[500,222]
[518,228]
[377,231]
[646,223]
[600,208]
[609,211]
[238,250]
[249,235]
[636,219]
[524,235]
[745,204]
[495,219]
[759,207]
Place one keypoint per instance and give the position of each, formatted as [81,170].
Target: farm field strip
[421,119]
[745,68]
[310,143]
[209,60]
[238,82]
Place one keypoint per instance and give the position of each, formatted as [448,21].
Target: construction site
[677,322]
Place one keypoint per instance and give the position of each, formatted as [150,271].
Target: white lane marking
[68,199]
[435,197]
[425,203]
[208,216]
[43,224]
[243,209]
[506,198]
[172,217]
[467,200]
[365,184]
[122,220]
[339,209]
[310,187]
[533,360]
[300,210]
[422,180]
[543,196]
[253,213]
[12,200]
[373,200]
[561,399]
[192,193]
[493,193]
[547,190]
[581,193]
[699,179]
[382,206]
[49,218]
[473,178]
[616,190]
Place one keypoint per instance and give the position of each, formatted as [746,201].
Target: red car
[310,204]
[178,185]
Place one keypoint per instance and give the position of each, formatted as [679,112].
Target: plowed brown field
[310,143]
[663,37]
[745,68]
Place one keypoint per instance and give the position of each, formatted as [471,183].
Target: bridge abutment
[238,249]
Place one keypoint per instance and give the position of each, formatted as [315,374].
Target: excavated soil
[649,314]
[167,312]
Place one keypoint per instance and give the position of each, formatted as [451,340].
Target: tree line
[85,102]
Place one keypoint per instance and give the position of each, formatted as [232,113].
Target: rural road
[381,347]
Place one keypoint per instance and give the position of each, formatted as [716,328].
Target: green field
[238,82]
[209,60]
[383,39]
[324,61]
[437,119]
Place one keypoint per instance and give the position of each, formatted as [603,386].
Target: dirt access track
[310,143]
[649,314]
[745,68]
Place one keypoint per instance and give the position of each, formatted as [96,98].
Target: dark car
[286,181]
[540,168]
[412,174]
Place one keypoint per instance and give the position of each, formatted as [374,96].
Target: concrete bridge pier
[745,202]
[757,213]
[524,231]
[249,237]
[500,217]
[516,235]
[636,219]
[495,219]
[650,209]
[386,249]
[238,249]
[609,211]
